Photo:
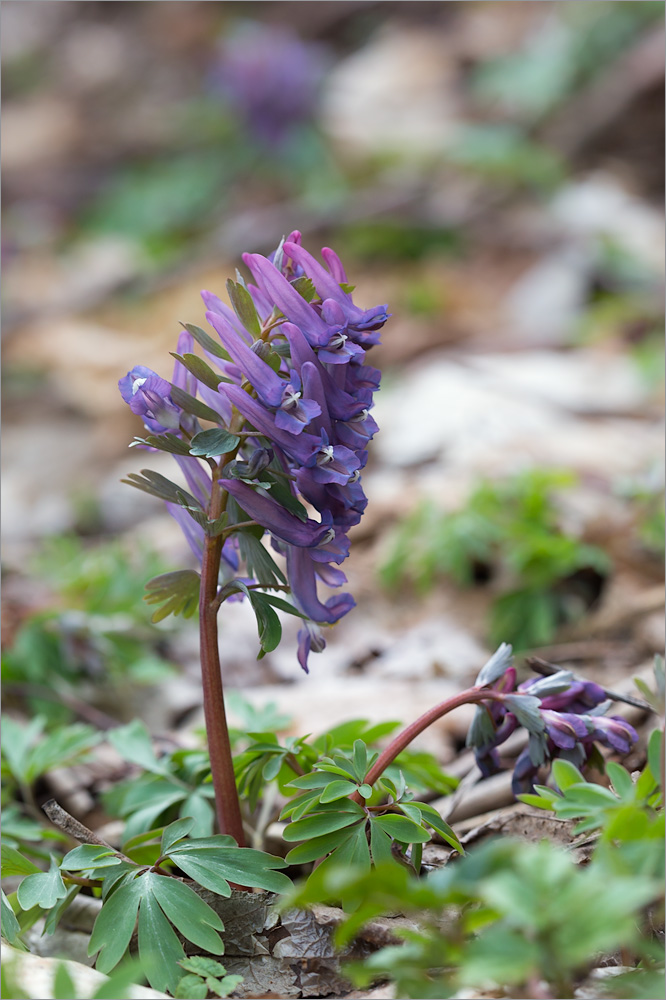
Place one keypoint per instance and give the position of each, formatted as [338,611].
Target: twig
[73,828]
[547,669]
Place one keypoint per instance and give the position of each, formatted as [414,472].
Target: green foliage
[570,50]
[395,240]
[176,784]
[165,905]
[27,753]
[204,975]
[511,912]
[509,528]
[95,632]
[629,814]
[503,153]
[176,593]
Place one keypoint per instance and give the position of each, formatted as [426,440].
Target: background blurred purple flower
[270,77]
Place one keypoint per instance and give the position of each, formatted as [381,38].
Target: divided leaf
[213,442]
[177,592]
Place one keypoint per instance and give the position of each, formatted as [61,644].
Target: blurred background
[493,171]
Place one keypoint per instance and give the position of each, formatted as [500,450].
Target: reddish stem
[227,805]
[402,740]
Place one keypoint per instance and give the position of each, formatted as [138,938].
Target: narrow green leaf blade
[114,925]
[403,829]
[188,913]
[159,947]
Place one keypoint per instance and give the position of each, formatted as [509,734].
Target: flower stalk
[227,805]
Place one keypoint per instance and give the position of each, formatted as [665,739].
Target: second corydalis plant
[289,403]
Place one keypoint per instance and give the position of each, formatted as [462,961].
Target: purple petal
[301,574]
[275,518]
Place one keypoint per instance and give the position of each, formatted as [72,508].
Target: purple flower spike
[292,426]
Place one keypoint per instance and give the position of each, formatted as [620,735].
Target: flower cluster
[270,76]
[292,405]
[565,717]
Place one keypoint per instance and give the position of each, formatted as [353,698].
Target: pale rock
[599,206]
[35,974]
[394,94]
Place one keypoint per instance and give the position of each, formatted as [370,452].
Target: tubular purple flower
[268,384]
[301,575]
[356,319]
[295,411]
[310,639]
[564,729]
[313,388]
[194,533]
[332,463]
[275,518]
[613,731]
[287,299]
[216,305]
[301,447]
[149,397]
[341,405]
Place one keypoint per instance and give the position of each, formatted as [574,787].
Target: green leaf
[315,779]
[55,913]
[194,406]
[198,808]
[620,779]
[655,754]
[244,307]
[17,739]
[177,592]
[403,829]
[43,889]
[566,774]
[380,844]
[194,918]
[161,487]
[159,947]
[268,623]
[259,562]
[134,744]
[10,925]
[318,847]
[164,442]
[241,865]
[214,442]
[13,863]
[191,988]
[206,341]
[199,965]
[360,758]
[59,748]
[89,856]
[432,818]
[114,925]
[282,605]
[337,790]
[175,832]
[320,823]
[202,372]
[305,287]
[63,987]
